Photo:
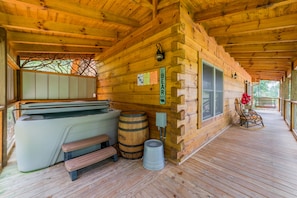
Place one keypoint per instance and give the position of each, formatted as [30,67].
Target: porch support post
[285,95]
[294,85]
[3,98]
[281,95]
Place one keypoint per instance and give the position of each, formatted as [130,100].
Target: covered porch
[240,162]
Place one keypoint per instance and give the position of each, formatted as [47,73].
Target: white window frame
[213,92]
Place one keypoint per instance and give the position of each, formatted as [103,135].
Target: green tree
[266,88]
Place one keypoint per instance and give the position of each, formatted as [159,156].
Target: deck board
[238,163]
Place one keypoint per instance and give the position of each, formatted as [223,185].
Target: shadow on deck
[239,163]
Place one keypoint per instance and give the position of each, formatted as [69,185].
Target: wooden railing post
[293,129]
[279,104]
[293,97]
[284,109]
[3,97]
[291,115]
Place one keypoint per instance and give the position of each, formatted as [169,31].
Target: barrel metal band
[131,158]
[133,129]
[131,145]
[131,152]
[133,115]
[132,122]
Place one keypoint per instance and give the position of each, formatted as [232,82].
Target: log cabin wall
[119,67]
[199,46]
[185,44]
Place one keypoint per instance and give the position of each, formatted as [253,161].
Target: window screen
[212,102]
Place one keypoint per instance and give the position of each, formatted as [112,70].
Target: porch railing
[266,102]
[10,127]
[294,117]
[289,112]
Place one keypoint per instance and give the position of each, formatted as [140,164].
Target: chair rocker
[246,118]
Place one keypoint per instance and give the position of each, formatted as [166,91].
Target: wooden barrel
[133,131]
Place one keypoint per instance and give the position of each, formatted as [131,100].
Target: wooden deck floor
[239,163]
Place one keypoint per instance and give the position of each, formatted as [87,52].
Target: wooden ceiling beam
[22,23]
[236,7]
[268,73]
[275,23]
[30,38]
[165,3]
[63,56]
[80,10]
[264,66]
[144,3]
[266,76]
[264,55]
[155,8]
[265,37]
[275,76]
[261,60]
[28,48]
[275,47]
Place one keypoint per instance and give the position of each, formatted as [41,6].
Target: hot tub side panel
[38,142]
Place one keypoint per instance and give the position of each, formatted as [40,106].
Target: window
[212,95]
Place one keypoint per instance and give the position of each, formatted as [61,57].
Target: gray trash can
[153,155]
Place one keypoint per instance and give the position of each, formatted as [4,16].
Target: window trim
[200,121]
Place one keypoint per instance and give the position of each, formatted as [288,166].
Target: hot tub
[42,130]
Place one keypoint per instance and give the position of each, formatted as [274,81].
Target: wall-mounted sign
[140,79]
[154,77]
[162,85]
[148,78]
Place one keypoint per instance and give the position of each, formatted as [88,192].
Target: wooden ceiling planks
[247,29]
[81,26]
[39,39]
[284,35]
[67,8]
[276,23]
[227,9]
[261,35]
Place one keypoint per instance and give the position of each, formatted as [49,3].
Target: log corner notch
[178,98]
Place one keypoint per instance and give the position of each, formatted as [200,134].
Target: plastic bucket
[153,156]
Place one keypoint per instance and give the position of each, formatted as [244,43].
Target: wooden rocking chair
[250,117]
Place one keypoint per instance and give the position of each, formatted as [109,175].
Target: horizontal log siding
[185,45]
[199,46]
[119,67]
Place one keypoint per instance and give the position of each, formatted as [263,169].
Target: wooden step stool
[68,148]
[72,165]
